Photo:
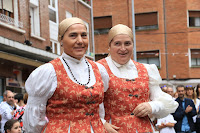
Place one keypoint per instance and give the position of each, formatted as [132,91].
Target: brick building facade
[167,34]
[28,36]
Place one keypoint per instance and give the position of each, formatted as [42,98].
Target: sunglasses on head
[163,86]
[188,86]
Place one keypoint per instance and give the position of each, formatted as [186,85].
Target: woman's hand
[110,128]
[142,110]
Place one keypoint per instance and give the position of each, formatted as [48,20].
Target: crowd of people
[11,111]
[72,94]
[186,118]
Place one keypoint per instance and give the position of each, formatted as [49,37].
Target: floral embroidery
[73,105]
[123,96]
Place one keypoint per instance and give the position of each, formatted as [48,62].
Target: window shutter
[195,14]
[0,4]
[8,5]
[103,22]
[146,19]
[148,54]
[195,53]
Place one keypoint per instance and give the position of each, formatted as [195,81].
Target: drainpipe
[92,27]
[133,29]
[165,33]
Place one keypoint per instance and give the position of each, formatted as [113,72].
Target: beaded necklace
[74,76]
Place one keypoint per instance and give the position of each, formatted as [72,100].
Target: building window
[55,47]
[195,57]
[6,8]
[53,10]
[102,25]
[35,20]
[194,18]
[9,13]
[146,21]
[149,57]
[68,14]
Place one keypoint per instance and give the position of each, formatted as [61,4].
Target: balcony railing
[10,21]
[87,1]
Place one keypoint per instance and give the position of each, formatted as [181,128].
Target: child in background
[12,126]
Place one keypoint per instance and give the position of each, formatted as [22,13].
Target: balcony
[10,21]
[86,3]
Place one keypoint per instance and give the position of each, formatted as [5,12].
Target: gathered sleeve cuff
[102,112]
[104,76]
[168,119]
[162,103]
[40,86]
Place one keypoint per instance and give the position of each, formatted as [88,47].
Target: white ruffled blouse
[162,103]
[42,83]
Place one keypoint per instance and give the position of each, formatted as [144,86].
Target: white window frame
[68,14]
[54,9]
[53,47]
[190,58]
[35,19]
[84,3]
[159,57]
[188,23]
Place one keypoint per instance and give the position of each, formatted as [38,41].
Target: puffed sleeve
[162,103]
[40,86]
[104,76]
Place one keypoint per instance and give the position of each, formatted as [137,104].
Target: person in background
[191,93]
[4,95]
[164,88]
[175,95]
[166,124]
[170,91]
[134,91]
[1,104]
[19,99]
[184,113]
[198,91]
[20,111]
[12,126]
[7,109]
[68,90]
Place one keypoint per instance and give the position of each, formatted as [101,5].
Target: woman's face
[189,92]
[121,48]
[16,128]
[75,41]
[198,89]
[176,95]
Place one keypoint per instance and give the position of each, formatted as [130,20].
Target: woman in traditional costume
[134,91]
[68,90]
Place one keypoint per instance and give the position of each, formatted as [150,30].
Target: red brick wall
[176,20]
[77,9]
[23,13]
